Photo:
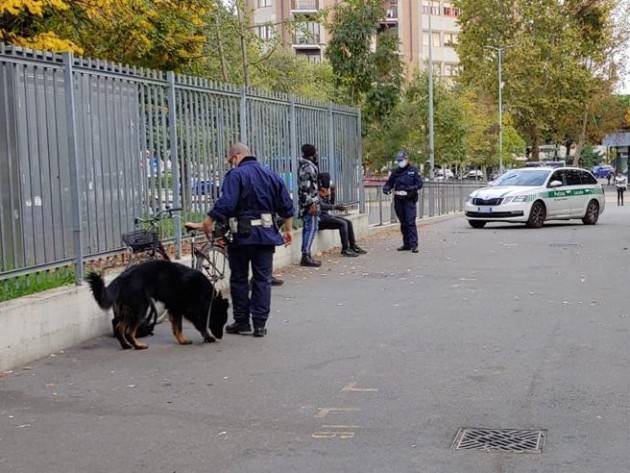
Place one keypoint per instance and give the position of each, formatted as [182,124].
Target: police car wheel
[477,223]
[592,213]
[537,215]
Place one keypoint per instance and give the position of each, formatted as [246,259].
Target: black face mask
[315,159]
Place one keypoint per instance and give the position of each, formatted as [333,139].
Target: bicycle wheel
[211,262]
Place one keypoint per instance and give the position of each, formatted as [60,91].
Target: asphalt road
[371,365]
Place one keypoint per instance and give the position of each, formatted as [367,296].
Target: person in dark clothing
[309,202]
[405,182]
[252,197]
[327,221]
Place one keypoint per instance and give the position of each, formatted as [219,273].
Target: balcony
[304,5]
[308,34]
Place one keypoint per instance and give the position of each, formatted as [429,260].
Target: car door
[575,192]
[556,200]
[590,189]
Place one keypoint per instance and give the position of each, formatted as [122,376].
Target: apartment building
[409,19]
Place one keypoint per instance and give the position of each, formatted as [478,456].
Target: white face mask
[403,163]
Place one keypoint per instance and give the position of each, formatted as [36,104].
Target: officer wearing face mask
[405,182]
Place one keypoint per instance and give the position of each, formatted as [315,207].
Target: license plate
[485,210]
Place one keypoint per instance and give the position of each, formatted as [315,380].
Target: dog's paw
[141,346]
[186,342]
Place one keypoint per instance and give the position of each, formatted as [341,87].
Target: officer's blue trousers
[309,231]
[258,305]
[406,213]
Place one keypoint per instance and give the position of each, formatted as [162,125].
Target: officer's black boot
[403,248]
[260,332]
[236,328]
[357,249]
[349,252]
[308,261]
[414,249]
[276,282]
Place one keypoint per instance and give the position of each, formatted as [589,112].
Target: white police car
[534,195]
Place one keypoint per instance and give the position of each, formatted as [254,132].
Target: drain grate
[500,440]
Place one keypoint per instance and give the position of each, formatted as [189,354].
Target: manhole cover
[501,440]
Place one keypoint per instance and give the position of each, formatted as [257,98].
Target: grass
[35,282]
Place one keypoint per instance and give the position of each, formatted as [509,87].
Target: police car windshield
[523,178]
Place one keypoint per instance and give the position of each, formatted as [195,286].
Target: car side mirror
[555,184]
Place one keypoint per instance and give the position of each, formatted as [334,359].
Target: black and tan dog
[186,293]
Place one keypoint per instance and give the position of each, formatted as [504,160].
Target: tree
[556,64]
[20,24]
[352,29]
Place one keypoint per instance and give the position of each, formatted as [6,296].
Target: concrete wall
[36,326]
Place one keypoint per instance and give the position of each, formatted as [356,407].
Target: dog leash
[214,292]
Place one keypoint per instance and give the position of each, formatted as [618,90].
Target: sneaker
[260,332]
[236,328]
[309,262]
[349,252]
[357,249]
[403,248]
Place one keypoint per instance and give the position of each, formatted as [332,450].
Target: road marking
[324,411]
[334,426]
[332,435]
[352,388]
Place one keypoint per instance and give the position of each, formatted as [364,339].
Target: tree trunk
[224,71]
[535,146]
[241,33]
[581,139]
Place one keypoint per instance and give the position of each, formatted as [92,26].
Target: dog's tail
[99,291]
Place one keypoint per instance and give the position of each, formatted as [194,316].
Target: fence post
[294,157]
[243,116]
[360,163]
[172,134]
[75,193]
[379,192]
[332,162]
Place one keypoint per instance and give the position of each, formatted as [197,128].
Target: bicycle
[209,255]
[144,244]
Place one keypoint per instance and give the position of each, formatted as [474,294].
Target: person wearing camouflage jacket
[309,202]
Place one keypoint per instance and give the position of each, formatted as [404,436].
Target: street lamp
[431,144]
[499,50]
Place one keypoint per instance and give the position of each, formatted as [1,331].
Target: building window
[264,3]
[265,32]
[450,39]
[431,6]
[451,11]
[436,39]
[451,70]
[312,56]
[307,33]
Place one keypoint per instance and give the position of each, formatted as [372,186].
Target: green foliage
[590,157]
[35,282]
[558,66]
[384,94]
[352,28]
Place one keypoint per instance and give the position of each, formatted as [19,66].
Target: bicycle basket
[141,240]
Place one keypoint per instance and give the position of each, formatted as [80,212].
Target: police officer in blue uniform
[405,181]
[252,197]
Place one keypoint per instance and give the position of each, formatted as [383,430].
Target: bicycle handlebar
[159,215]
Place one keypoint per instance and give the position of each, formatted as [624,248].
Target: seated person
[327,221]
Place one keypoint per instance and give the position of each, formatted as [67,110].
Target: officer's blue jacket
[404,179]
[250,190]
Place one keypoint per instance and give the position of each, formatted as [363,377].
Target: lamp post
[431,143]
[500,50]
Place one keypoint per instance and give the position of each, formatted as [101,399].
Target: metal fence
[87,145]
[435,198]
